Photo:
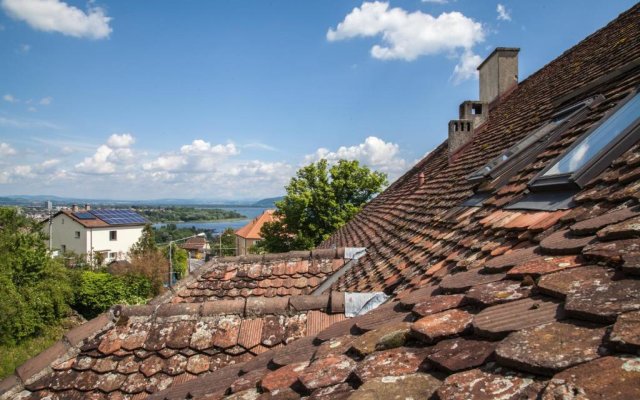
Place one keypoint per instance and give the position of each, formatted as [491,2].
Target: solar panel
[84,215]
[119,217]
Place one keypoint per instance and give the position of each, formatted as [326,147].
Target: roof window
[530,145]
[595,150]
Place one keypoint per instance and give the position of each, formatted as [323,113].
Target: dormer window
[595,150]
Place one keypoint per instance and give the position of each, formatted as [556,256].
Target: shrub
[98,291]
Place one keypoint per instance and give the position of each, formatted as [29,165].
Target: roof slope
[252,229]
[486,298]
[271,275]
[400,227]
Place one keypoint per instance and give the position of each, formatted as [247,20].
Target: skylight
[492,167]
[609,130]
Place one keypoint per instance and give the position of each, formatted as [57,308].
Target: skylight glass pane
[598,139]
[516,149]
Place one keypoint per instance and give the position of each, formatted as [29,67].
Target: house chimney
[87,206]
[74,207]
[498,73]
[460,132]
[420,179]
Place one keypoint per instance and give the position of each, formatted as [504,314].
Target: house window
[113,255]
[595,150]
[62,221]
[63,248]
[113,235]
[77,234]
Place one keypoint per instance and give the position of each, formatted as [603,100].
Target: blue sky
[225,100]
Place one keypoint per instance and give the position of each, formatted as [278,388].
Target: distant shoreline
[202,222]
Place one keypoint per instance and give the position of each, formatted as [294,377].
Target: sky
[225,100]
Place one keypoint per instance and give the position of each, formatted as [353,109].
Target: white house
[106,233]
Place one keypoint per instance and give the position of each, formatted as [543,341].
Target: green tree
[36,289]
[179,257]
[319,200]
[228,241]
[146,243]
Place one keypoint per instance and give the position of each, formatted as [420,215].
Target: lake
[219,226]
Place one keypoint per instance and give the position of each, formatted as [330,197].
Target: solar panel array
[116,217]
[84,215]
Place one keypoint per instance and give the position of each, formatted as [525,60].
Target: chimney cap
[499,50]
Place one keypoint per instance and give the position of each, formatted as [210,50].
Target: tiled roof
[195,243]
[252,229]
[87,223]
[487,302]
[411,228]
[272,275]
[94,222]
[136,350]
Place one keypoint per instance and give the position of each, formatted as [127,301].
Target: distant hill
[268,203]
[40,200]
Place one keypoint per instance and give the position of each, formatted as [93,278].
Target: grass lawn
[13,356]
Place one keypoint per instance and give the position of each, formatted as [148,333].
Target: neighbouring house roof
[137,350]
[195,243]
[97,218]
[271,275]
[252,229]
[487,302]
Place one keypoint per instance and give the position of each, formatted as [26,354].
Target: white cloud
[9,98]
[6,150]
[408,35]
[110,157]
[436,1]
[45,101]
[503,13]
[22,170]
[200,147]
[467,67]
[32,109]
[98,163]
[166,163]
[123,140]
[199,156]
[58,16]
[374,152]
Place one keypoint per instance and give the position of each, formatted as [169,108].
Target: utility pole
[50,208]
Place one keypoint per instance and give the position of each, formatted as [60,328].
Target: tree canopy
[36,289]
[320,199]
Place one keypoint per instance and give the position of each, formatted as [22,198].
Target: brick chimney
[460,131]
[74,207]
[87,206]
[498,73]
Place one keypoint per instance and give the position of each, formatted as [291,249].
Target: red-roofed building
[249,234]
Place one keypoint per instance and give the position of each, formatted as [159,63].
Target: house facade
[249,234]
[105,235]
